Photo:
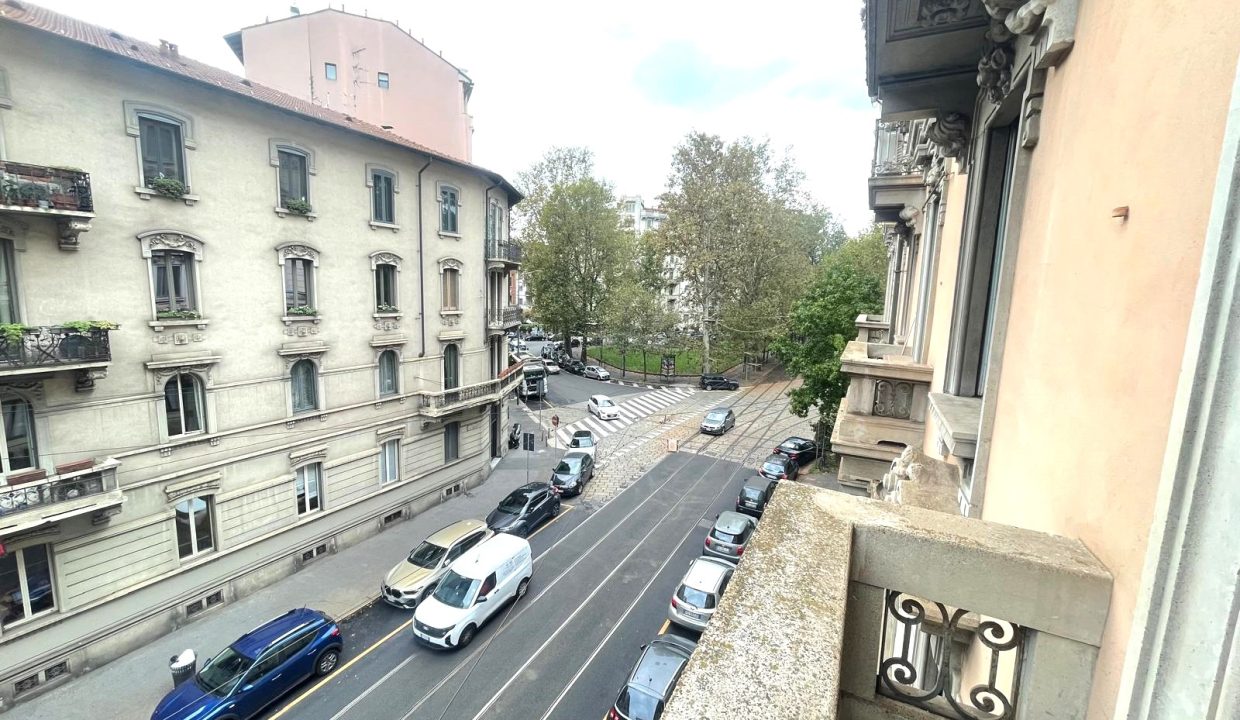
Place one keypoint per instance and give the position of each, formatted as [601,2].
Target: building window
[389,373]
[172,273]
[448,201]
[305,378]
[389,461]
[8,285]
[162,153]
[298,285]
[194,531]
[309,488]
[383,197]
[451,367]
[25,584]
[451,289]
[294,179]
[385,288]
[329,69]
[20,449]
[383,80]
[451,442]
[184,405]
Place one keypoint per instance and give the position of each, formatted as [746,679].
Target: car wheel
[326,662]
[427,592]
[555,509]
[467,636]
[523,588]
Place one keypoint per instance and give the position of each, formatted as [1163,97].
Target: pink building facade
[364,67]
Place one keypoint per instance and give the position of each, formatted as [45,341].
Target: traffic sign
[527,441]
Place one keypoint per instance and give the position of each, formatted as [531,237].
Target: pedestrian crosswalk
[631,408]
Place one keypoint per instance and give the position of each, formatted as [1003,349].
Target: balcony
[42,500]
[503,255]
[883,412]
[60,194]
[859,609]
[900,150]
[503,318]
[872,329]
[41,350]
[446,402]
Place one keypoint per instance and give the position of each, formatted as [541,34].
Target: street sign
[527,441]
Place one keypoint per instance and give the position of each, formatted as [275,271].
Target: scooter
[514,437]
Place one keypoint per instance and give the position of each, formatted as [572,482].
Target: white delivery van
[477,585]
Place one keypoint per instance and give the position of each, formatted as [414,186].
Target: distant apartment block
[642,218]
[367,68]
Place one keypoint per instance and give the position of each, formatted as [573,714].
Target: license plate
[750,504]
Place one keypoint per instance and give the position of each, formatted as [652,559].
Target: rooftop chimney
[294,9]
[169,49]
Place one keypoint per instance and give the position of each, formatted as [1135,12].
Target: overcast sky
[627,80]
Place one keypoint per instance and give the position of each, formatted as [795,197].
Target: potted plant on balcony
[303,310]
[387,309]
[298,207]
[178,315]
[9,191]
[34,194]
[168,187]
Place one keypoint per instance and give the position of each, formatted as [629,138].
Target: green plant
[298,207]
[302,310]
[88,325]
[33,193]
[12,332]
[387,309]
[168,187]
[178,315]
[9,191]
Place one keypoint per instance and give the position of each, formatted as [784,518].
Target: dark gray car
[729,536]
[718,421]
[653,678]
[572,473]
[524,509]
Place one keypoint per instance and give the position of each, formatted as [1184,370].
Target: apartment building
[237,331]
[1044,412]
[366,67]
[642,218]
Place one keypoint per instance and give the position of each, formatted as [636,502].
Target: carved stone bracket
[1052,22]
[950,132]
[69,230]
[1031,109]
[84,380]
[994,69]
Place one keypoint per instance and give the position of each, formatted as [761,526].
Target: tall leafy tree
[636,315]
[558,167]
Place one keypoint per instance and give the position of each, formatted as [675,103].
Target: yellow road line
[564,510]
[339,670]
[666,625]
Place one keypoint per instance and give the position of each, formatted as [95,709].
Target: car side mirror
[643,647]
[480,600]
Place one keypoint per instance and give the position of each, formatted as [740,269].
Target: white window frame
[175,241]
[135,109]
[384,257]
[445,265]
[23,585]
[439,190]
[298,251]
[379,373]
[371,170]
[200,384]
[389,461]
[193,529]
[301,474]
[274,147]
[35,428]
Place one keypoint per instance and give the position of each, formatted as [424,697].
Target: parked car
[604,407]
[474,589]
[717,382]
[718,421]
[524,509]
[653,679]
[779,467]
[258,669]
[583,441]
[572,473]
[575,367]
[729,536]
[755,493]
[695,599]
[553,368]
[597,373]
[414,578]
[799,449]
[536,336]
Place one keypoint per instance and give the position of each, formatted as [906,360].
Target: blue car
[257,669]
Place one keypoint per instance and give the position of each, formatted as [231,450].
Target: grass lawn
[688,362]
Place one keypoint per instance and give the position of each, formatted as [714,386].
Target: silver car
[729,536]
[694,602]
[718,421]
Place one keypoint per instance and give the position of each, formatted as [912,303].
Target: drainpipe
[486,278]
[422,262]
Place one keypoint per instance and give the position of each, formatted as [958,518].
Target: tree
[558,167]
[849,282]
[636,316]
[579,258]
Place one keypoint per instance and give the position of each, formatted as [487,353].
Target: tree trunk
[705,344]
[624,363]
[644,376]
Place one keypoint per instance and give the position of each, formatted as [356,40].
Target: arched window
[448,207]
[389,378]
[20,449]
[451,289]
[451,367]
[184,405]
[305,377]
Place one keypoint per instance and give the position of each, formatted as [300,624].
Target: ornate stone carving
[69,229]
[1031,109]
[387,325]
[202,486]
[893,399]
[296,250]
[450,320]
[1052,21]
[994,69]
[950,132]
[84,380]
[170,240]
[931,13]
[301,329]
[452,263]
[384,258]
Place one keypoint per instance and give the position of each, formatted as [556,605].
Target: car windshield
[568,466]
[605,402]
[751,493]
[455,590]
[427,555]
[582,441]
[638,705]
[725,536]
[513,504]
[790,445]
[223,671]
[716,416]
[773,467]
[696,598]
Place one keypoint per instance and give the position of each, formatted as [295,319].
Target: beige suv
[415,577]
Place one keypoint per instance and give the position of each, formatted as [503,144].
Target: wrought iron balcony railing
[504,252]
[50,492]
[38,187]
[53,347]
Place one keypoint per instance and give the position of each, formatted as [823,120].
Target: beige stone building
[1045,410]
[237,331]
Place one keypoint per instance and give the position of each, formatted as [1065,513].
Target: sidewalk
[339,585]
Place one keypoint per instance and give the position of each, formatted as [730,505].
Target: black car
[755,493]
[572,473]
[717,382]
[536,336]
[799,449]
[779,467]
[525,509]
[653,679]
[575,367]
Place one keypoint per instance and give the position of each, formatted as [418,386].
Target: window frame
[149,141]
[302,479]
[209,502]
[450,304]
[396,384]
[383,80]
[444,214]
[134,111]
[200,396]
[23,584]
[298,252]
[387,294]
[276,146]
[372,170]
[10,282]
[32,442]
[315,378]
[173,241]
[389,461]
[455,367]
[330,71]
[451,441]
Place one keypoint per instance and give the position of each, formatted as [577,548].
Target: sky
[627,80]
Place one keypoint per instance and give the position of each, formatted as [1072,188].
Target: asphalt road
[601,585]
[568,389]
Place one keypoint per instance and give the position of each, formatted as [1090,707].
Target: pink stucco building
[365,67]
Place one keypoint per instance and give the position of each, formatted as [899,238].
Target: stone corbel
[1052,21]
[1031,110]
[70,229]
[950,132]
[994,69]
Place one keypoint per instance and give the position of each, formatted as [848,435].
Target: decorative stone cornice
[950,132]
[170,240]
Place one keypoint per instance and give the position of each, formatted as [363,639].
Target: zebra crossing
[632,409]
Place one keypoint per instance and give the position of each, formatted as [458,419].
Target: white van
[477,585]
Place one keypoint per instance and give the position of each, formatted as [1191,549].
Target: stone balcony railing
[62,194]
[855,609]
[883,412]
[445,402]
[32,498]
[502,318]
[873,329]
[900,148]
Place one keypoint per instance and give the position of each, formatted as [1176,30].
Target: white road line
[373,687]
